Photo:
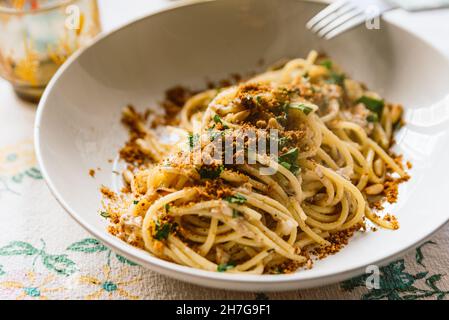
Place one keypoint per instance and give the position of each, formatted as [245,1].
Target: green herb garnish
[104,214]
[167,207]
[193,140]
[372,104]
[239,199]
[286,165]
[336,78]
[327,64]
[289,160]
[236,213]
[223,267]
[372,117]
[290,156]
[210,172]
[136,201]
[300,106]
[163,231]
[217,119]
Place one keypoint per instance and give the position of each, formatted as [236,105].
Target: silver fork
[343,15]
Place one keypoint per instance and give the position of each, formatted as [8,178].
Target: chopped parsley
[217,119]
[327,64]
[236,213]
[300,106]
[289,160]
[136,201]
[372,117]
[210,172]
[223,267]
[286,165]
[239,199]
[163,231]
[290,156]
[278,270]
[372,104]
[336,78]
[193,140]
[167,207]
[104,214]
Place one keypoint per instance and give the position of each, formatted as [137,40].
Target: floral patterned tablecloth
[44,254]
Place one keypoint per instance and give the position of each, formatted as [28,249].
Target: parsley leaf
[336,78]
[104,214]
[286,165]
[136,201]
[372,104]
[239,199]
[290,156]
[289,160]
[236,213]
[300,106]
[372,117]
[193,140]
[217,119]
[210,172]
[222,267]
[163,231]
[327,64]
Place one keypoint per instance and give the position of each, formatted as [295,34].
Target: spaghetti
[332,168]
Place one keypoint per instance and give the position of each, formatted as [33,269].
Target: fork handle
[418,5]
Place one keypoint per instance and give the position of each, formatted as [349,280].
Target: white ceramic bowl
[78,122]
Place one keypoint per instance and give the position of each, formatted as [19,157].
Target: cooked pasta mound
[328,171]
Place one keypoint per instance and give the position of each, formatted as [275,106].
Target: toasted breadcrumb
[338,240]
[108,193]
[392,219]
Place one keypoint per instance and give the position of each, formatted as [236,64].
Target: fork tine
[333,16]
[339,21]
[345,26]
[325,12]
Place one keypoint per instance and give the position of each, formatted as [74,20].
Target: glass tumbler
[37,37]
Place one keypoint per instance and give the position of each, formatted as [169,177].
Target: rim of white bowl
[145,258]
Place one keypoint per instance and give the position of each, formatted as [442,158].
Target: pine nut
[379,167]
[374,189]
